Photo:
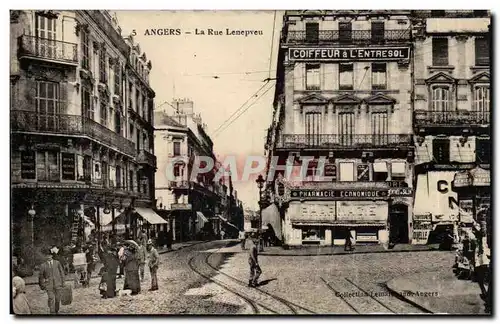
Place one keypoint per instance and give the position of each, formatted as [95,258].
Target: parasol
[132,242]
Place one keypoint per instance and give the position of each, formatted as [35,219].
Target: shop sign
[465,212]
[317,212]
[363,172]
[349,54]
[181,206]
[28,165]
[337,193]
[420,236]
[422,217]
[401,192]
[362,210]
[331,171]
[366,237]
[462,179]
[68,166]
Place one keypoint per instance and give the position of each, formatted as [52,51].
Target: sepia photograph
[250,162]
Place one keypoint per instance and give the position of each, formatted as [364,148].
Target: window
[177,148]
[46,36]
[177,170]
[87,107]
[313,127]
[137,100]
[118,81]
[84,169]
[313,234]
[380,172]
[379,76]
[104,114]
[441,150]
[105,174]
[346,171]
[345,32]
[482,50]
[138,181]
[380,128]
[131,180]
[103,75]
[312,32]
[118,122]
[118,177]
[312,77]
[47,166]
[482,104]
[28,165]
[441,104]
[346,129]
[312,167]
[440,51]
[346,76]
[85,50]
[47,104]
[483,150]
[131,129]
[378,31]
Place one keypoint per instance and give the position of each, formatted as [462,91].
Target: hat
[150,242]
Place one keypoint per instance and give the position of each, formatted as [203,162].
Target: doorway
[398,224]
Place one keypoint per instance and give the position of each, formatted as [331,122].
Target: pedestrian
[51,279]
[91,263]
[169,239]
[121,258]
[141,255]
[19,300]
[131,267]
[481,261]
[242,237]
[253,261]
[154,261]
[348,241]
[109,257]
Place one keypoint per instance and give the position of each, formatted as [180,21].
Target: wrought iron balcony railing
[330,141]
[355,36]
[146,158]
[31,121]
[48,49]
[451,118]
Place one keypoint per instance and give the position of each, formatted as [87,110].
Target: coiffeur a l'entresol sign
[349,54]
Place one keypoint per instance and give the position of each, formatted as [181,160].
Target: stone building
[343,111]
[81,128]
[451,118]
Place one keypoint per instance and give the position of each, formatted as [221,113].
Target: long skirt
[132,281]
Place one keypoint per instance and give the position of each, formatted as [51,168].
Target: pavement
[33,280]
[439,292]
[339,250]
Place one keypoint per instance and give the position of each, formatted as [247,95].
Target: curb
[97,276]
[348,253]
[409,301]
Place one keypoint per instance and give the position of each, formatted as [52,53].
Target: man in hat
[153,262]
[253,262]
[51,279]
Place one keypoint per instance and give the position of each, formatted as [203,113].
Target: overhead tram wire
[272,45]
[241,107]
[242,112]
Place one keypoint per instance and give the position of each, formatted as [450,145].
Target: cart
[80,269]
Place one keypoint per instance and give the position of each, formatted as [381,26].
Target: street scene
[299,162]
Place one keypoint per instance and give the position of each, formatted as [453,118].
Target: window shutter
[439,51]
[441,150]
[312,32]
[378,28]
[482,52]
[345,32]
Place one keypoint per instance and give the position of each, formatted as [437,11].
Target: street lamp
[31,216]
[260,183]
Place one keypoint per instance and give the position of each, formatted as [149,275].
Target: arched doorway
[398,224]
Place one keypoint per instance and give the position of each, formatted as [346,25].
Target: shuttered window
[377,31]
[346,76]
[440,51]
[482,50]
[379,76]
[482,104]
[312,32]
[380,128]
[313,126]
[47,105]
[312,77]
[441,150]
[346,129]
[87,107]
[85,50]
[483,150]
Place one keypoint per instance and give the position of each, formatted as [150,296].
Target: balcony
[32,47]
[354,37]
[458,118]
[145,157]
[73,125]
[343,142]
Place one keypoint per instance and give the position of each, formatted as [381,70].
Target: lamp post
[260,183]
[81,224]
[31,230]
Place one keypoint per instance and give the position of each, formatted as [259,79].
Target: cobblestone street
[210,278]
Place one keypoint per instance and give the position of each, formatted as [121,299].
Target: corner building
[344,93]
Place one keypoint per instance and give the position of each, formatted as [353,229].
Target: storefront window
[380,172]
[313,234]
[47,165]
[346,171]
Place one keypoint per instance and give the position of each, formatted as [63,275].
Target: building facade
[343,112]
[81,126]
[451,118]
[194,204]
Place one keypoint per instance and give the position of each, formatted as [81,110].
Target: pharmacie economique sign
[349,54]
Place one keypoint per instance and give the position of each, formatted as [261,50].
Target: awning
[227,222]
[398,168]
[421,197]
[201,216]
[150,216]
[271,215]
[480,177]
[434,195]
[380,167]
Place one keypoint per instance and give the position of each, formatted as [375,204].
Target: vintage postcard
[299,162]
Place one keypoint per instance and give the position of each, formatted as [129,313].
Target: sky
[184,66]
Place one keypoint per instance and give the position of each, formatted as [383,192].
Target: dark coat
[51,278]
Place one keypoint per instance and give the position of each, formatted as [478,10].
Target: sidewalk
[339,250]
[439,293]
[33,280]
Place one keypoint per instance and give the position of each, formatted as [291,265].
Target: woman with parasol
[131,267]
